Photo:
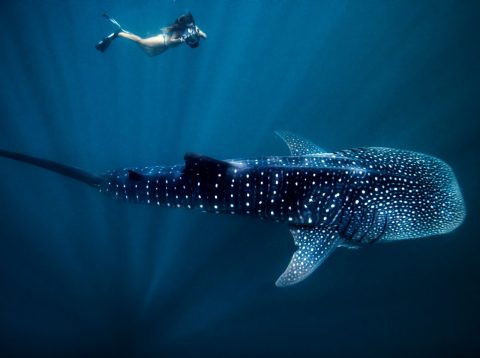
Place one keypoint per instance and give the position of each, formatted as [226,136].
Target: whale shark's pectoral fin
[299,146]
[314,246]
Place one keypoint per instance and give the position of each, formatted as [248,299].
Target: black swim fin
[103,44]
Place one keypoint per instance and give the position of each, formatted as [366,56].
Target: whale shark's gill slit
[337,219]
[382,232]
[369,227]
[342,229]
[349,213]
[337,216]
[68,171]
[358,229]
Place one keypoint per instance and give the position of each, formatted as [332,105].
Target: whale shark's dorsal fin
[197,162]
[135,176]
[299,146]
[314,246]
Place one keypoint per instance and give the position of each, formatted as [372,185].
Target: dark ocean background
[81,273]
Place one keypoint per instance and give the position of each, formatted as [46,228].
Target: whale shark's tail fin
[74,173]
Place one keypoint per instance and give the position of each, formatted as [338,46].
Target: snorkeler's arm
[201,33]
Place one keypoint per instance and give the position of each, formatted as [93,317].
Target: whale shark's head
[421,194]
[440,206]
[449,206]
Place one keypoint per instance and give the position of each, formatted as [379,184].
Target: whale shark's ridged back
[74,173]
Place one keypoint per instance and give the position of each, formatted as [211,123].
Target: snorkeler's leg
[130,36]
[151,47]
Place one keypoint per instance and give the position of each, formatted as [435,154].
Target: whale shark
[348,198]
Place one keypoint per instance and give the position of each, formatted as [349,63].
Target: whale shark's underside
[348,198]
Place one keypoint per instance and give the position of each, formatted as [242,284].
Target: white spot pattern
[362,195]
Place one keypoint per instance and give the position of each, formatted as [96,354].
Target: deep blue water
[81,273]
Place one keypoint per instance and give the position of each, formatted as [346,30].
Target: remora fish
[347,198]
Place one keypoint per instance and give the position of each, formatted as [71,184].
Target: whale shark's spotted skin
[347,198]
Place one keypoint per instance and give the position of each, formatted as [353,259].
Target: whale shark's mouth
[455,210]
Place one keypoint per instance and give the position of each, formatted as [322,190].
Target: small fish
[348,198]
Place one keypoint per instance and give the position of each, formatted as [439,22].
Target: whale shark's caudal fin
[314,246]
[74,173]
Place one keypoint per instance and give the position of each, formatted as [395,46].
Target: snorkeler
[183,30]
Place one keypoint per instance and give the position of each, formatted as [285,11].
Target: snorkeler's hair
[181,23]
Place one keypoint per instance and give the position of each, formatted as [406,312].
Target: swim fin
[103,44]
[112,20]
